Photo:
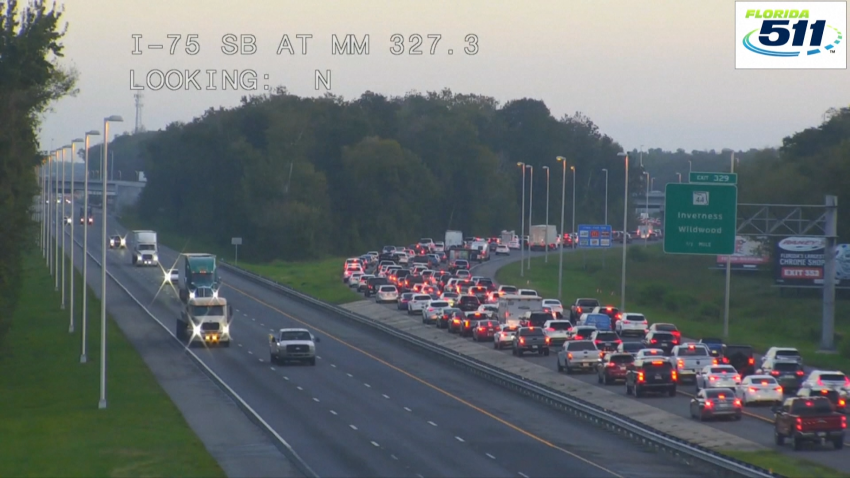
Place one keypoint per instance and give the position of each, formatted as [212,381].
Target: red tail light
[578,310]
[482,329]
[612,364]
[654,341]
[751,361]
[570,355]
[843,421]
[799,373]
[550,329]
[640,377]
[799,424]
[709,404]
[847,382]
[548,340]
[737,402]
[674,375]
[775,373]
[521,340]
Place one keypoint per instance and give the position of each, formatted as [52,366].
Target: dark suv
[741,357]
[651,375]
[468,303]
[373,284]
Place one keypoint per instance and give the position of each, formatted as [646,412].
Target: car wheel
[560,367]
[838,444]
[567,369]
[519,352]
[628,389]
[671,392]
[496,345]
[225,344]
[546,353]
[779,438]
[638,392]
[798,443]
[598,378]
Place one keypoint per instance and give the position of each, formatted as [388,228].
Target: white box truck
[512,308]
[543,236]
[506,237]
[454,239]
[144,247]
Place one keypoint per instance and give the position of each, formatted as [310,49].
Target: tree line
[30,79]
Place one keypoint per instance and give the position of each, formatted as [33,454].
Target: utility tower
[139,126]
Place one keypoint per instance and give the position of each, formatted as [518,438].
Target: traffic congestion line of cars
[587,337]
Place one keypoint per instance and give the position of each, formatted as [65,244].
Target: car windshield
[692,352]
[450,295]
[551,303]
[295,335]
[585,330]
[793,354]
[388,288]
[509,290]
[561,325]
[452,311]
[606,336]
[580,346]
[786,367]
[201,280]
[717,392]
[665,327]
[635,318]
[208,310]
[406,295]
[622,358]
[439,304]
[762,380]
[632,346]
[662,336]
[832,377]
[422,297]
[588,303]
[147,247]
[723,370]
[813,407]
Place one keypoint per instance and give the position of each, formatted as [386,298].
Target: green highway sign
[700,218]
[713,178]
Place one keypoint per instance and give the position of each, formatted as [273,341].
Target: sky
[649,73]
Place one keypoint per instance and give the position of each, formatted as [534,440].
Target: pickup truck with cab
[530,339]
[808,420]
[690,359]
[292,345]
[582,306]
[578,354]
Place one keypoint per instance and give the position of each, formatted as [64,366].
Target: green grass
[785,465]
[321,279]
[49,422]
[682,290]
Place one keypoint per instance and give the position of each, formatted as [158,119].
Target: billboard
[751,253]
[798,261]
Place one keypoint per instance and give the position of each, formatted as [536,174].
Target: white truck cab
[206,320]
[292,345]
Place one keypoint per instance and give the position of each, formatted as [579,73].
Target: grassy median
[784,465]
[50,423]
[685,290]
[321,279]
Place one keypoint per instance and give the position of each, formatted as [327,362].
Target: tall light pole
[690,168]
[563,203]
[625,234]
[530,206]
[83,358]
[573,231]
[58,222]
[103,245]
[522,224]
[679,175]
[728,274]
[44,203]
[73,203]
[606,196]
[64,214]
[49,211]
[546,258]
[641,156]
[646,208]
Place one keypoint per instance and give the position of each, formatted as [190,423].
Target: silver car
[386,293]
[433,310]
[578,354]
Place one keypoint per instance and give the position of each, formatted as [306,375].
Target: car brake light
[570,355]
[640,377]
[775,373]
[713,361]
[847,382]
[737,377]
[709,404]
[674,375]
[820,382]
[522,340]
[841,402]
[778,389]
[799,373]
[800,421]
[843,421]
[737,402]
[612,364]
[548,339]
[824,391]
[482,329]
[608,309]
[681,363]
[550,329]
[654,341]
[751,361]
[753,389]
[712,378]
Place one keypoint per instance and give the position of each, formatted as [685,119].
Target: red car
[485,331]
[613,367]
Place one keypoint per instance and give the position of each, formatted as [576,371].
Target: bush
[677,301]
[637,254]
[652,294]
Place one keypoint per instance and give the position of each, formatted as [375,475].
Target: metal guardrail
[252,415]
[688,452]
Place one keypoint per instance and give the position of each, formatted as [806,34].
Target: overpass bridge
[118,193]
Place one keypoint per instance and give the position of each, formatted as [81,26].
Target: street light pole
[679,175]
[64,215]
[573,231]
[646,209]
[606,196]
[73,203]
[563,203]
[522,225]
[530,206]
[83,358]
[56,226]
[546,257]
[625,234]
[728,276]
[103,245]
[690,168]
[44,203]
[49,213]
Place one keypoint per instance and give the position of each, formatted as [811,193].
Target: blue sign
[594,236]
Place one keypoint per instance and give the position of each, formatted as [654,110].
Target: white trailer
[454,239]
[542,237]
[144,247]
[507,236]
[512,308]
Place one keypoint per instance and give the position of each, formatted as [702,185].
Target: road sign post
[700,218]
[236,242]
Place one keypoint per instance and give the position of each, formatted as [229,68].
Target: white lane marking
[409,410]
[333,412]
[237,310]
[376,444]
[353,427]
[318,357]
[272,368]
[298,387]
[262,324]
[260,360]
[523,475]
[367,385]
[386,396]
[243,313]
[284,377]
[239,345]
[432,424]
[352,376]
[394,457]
[459,439]
[490,456]
[271,330]
[315,399]
[419,476]
[252,353]
[333,365]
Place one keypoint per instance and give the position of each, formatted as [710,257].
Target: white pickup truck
[690,359]
[297,345]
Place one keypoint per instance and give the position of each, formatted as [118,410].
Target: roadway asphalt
[756,426]
[373,407]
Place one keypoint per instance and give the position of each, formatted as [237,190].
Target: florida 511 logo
[791,35]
